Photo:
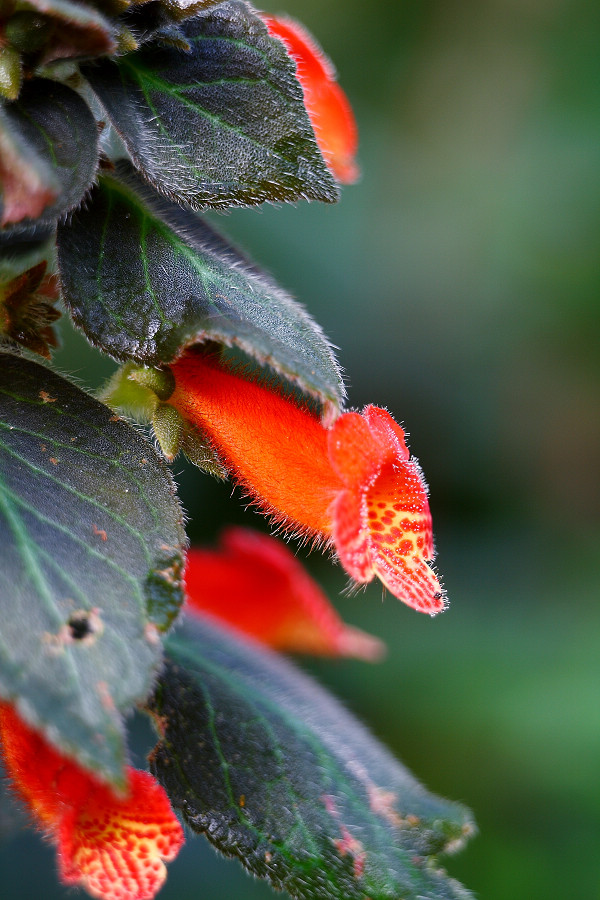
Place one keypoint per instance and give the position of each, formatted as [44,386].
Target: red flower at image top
[253,583]
[115,847]
[353,484]
[327,106]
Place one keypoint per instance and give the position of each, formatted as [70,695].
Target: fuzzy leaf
[28,185]
[75,29]
[90,559]
[145,278]
[275,772]
[160,21]
[54,134]
[222,125]
[181,9]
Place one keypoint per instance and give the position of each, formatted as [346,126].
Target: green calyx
[136,391]
[142,393]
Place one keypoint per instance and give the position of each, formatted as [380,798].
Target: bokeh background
[460,278]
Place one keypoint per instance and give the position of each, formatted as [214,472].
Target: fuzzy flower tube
[328,108]
[115,847]
[352,485]
[253,583]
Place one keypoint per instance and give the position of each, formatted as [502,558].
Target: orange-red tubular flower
[114,847]
[352,484]
[256,585]
[328,108]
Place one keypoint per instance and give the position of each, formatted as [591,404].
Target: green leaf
[222,125]
[183,9]
[54,133]
[28,184]
[145,278]
[160,21]
[74,29]
[275,772]
[90,559]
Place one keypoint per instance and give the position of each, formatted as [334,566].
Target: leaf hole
[84,626]
[79,628]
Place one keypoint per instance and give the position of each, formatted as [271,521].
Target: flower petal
[351,535]
[355,454]
[116,847]
[254,584]
[110,845]
[274,446]
[327,105]
[44,787]
[352,483]
[401,536]
[386,431]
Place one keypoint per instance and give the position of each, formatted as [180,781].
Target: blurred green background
[460,278]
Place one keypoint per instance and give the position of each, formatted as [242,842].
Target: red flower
[352,484]
[327,106]
[113,846]
[253,583]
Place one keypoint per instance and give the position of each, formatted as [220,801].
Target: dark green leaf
[89,562]
[274,771]
[222,125]
[28,185]
[55,131]
[74,30]
[183,9]
[161,18]
[144,278]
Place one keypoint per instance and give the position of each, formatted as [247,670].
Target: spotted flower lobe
[381,521]
[115,847]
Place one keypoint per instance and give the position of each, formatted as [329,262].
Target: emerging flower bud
[254,584]
[114,847]
[353,484]
[328,108]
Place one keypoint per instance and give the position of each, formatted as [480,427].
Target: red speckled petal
[401,537]
[115,848]
[351,535]
[355,455]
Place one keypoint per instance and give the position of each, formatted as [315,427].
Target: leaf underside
[222,125]
[144,279]
[78,30]
[54,141]
[275,772]
[90,562]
